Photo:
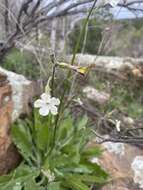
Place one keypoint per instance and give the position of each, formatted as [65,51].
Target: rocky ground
[124,162]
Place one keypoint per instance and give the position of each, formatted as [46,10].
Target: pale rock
[8,154]
[137,167]
[15,94]
[128,121]
[22,92]
[99,97]
[117,148]
[109,64]
[122,164]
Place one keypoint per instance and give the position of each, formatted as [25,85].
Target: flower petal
[46,97]
[53,110]
[44,111]
[38,103]
[55,101]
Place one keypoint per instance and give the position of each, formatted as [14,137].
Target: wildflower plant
[54,149]
[53,145]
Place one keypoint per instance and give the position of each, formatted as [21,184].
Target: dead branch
[31,13]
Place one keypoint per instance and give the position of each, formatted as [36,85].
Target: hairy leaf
[76,184]
[54,186]
[22,140]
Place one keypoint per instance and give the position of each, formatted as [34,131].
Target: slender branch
[135,141]
[39,13]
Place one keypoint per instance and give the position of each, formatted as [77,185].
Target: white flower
[47,104]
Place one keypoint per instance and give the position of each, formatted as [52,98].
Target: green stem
[82,33]
[53,74]
[56,121]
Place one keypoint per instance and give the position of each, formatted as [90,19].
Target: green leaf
[92,179]
[44,132]
[42,139]
[11,186]
[82,122]
[5,178]
[73,153]
[37,119]
[54,186]
[77,169]
[95,168]
[16,179]
[75,183]
[22,139]
[18,186]
[59,161]
[65,129]
[31,185]
[92,152]
[24,172]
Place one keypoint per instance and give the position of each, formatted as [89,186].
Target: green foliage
[137,23]
[126,33]
[126,96]
[22,63]
[60,165]
[54,148]
[22,176]
[93,40]
[127,100]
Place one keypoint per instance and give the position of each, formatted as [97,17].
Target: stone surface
[124,163]
[16,93]
[137,167]
[22,92]
[95,95]
[8,155]
[115,65]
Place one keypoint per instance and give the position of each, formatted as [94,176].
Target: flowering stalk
[56,121]
[74,55]
[53,74]
[82,33]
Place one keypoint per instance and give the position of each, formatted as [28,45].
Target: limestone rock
[93,94]
[15,94]
[22,92]
[124,163]
[121,66]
